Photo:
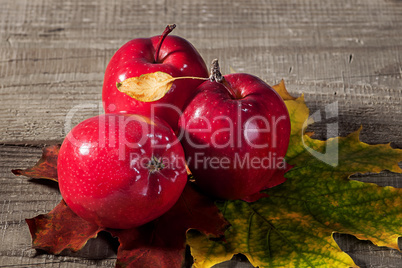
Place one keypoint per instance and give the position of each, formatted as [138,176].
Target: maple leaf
[61,229]
[293,227]
[282,91]
[160,243]
[45,168]
[317,200]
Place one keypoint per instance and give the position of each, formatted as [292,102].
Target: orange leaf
[282,91]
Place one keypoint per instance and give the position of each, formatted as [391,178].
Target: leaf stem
[186,77]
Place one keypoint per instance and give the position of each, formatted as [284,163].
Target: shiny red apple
[170,54]
[235,133]
[121,170]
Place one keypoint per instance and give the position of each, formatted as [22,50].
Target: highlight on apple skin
[166,53]
[120,170]
[235,133]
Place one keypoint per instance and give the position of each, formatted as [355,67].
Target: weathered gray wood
[53,55]
[352,50]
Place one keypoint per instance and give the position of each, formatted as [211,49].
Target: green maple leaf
[293,227]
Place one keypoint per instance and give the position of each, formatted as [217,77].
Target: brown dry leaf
[61,229]
[147,87]
[46,168]
[162,243]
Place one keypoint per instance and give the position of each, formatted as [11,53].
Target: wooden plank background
[53,55]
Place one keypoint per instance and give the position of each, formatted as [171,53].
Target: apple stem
[165,33]
[216,76]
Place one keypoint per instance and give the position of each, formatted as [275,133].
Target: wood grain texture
[53,55]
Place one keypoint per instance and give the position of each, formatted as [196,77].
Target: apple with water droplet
[169,54]
[235,133]
[121,170]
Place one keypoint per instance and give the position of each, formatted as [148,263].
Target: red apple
[170,54]
[235,133]
[120,170]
